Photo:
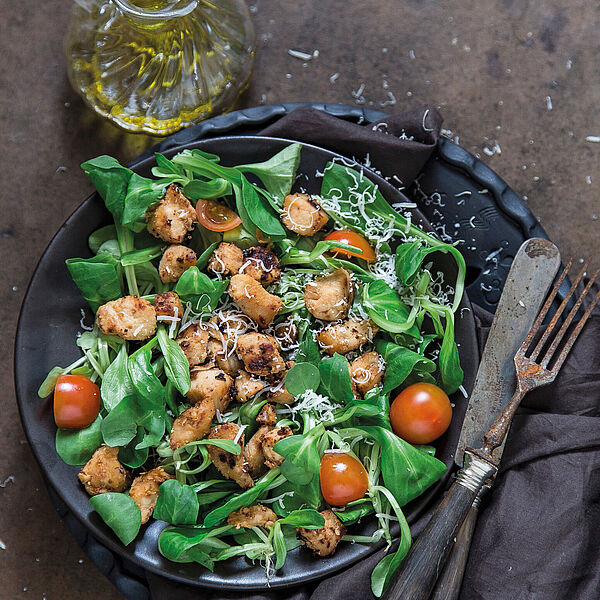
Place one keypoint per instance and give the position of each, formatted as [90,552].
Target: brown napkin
[537,536]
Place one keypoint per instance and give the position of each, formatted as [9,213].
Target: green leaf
[137,257]
[119,427]
[214,188]
[76,446]
[306,517]
[386,308]
[278,173]
[308,349]
[116,383]
[400,362]
[301,377]
[335,378]
[48,385]
[355,511]
[203,259]
[143,378]
[278,542]
[120,513]
[246,498]
[97,278]
[100,236]
[409,258]
[141,194]
[200,290]
[260,213]
[451,373]
[407,472]
[132,457]
[177,503]
[177,367]
[177,543]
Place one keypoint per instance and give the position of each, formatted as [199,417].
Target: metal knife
[528,282]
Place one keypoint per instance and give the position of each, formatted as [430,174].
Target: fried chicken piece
[329,298]
[286,333]
[255,457]
[303,214]
[367,371]
[253,300]
[168,305]
[206,381]
[324,541]
[261,264]
[269,439]
[260,353]
[103,472]
[176,259]
[267,415]
[252,516]
[144,490]
[193,340]
[130,318]
[172,217]
[247,386]
[192,424]
[228,362]
[346,336]
[226,260]
[228,464]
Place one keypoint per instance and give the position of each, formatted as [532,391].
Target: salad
[266,367]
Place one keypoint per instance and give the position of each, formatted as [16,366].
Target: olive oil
[156,66]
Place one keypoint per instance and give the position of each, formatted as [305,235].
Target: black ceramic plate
[49,322]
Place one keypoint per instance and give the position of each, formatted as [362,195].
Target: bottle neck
[153,12]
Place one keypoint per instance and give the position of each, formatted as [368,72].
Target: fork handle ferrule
[422,566]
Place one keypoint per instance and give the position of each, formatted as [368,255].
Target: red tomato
[352,239]
[76,401]
[420,413]
[215,216]
[343,478]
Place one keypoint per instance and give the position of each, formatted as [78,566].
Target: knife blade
[530,277]
[526,286]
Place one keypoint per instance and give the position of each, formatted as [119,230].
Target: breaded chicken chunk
[329,298]
[193,340]
[260,353]
[367,371]
[172,217]
[261,264]
[253,300]
[226,260]
[255,457]
[175,260]
[303,214]
[252,516]
[209,382]
[103,472]
[247,386]
[267,415]
[192,424]
[130,318]
[144,490]
[227,361]
[269,439]
[230,466]
[346,336]
[323,541]
[168,305]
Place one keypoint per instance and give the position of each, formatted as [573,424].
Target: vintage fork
[534,368]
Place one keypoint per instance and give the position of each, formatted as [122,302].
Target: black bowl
[50,320]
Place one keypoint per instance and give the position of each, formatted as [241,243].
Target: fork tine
[559,336]
[542,314]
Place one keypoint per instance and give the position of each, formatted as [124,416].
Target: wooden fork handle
[423,564]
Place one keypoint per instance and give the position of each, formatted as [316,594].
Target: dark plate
[50,319]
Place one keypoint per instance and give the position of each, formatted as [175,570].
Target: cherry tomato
[352,239]
[421,413]
[343,478]
[76,401]
[215,216]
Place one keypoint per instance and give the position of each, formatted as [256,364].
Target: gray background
[489,64]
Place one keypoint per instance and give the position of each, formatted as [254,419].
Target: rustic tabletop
[516,80]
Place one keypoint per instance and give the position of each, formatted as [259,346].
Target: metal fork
[534,368]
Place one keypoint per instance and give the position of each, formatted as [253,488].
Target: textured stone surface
[489,64]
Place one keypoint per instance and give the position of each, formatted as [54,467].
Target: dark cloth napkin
[537,534]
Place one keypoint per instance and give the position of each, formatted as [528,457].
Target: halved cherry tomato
[352,239]
[215,216]
[76,401]
[343,478]
[421,413]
